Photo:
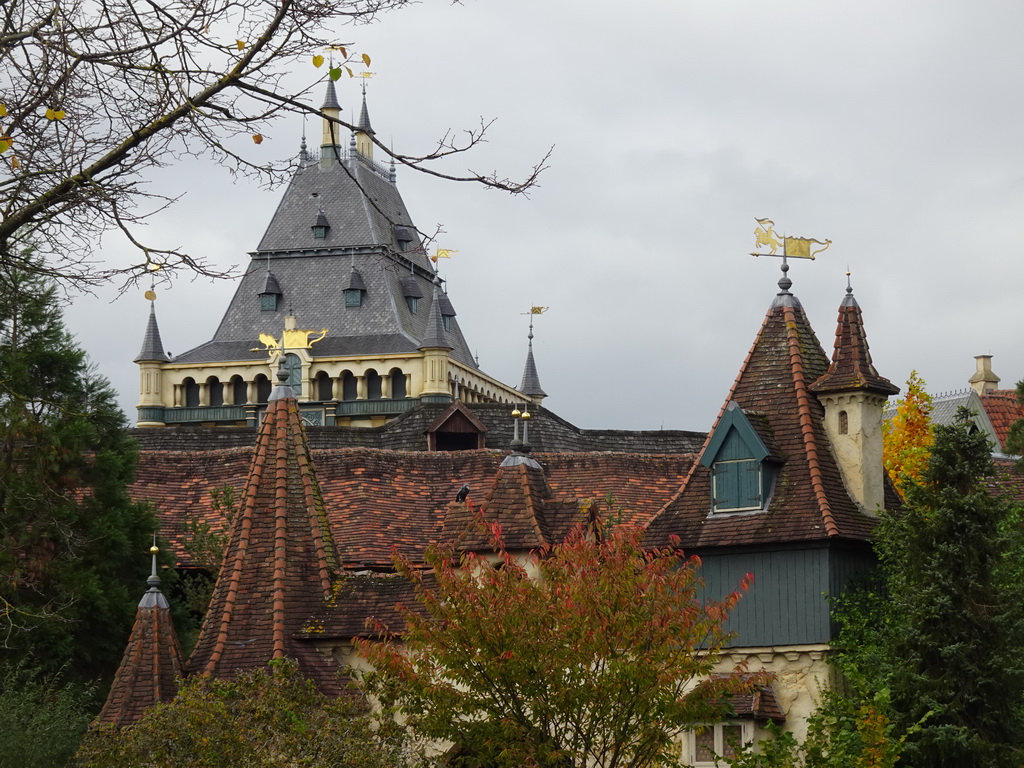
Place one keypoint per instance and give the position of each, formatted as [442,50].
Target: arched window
[844,423]
[398,384]
[349,386]
[373,388]
[215,390]
[191,390]
[239,391]
[262,388]
[324,390]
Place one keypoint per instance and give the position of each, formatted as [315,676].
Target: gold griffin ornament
[792,247]
[292,338]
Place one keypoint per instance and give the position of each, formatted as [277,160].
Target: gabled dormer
[743,461]
[354,289]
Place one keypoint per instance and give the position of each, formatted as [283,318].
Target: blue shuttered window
[737,485]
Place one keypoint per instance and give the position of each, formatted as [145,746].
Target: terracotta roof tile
[279,563]
[150,668]
[851,366]
[1003,408]
[809,500]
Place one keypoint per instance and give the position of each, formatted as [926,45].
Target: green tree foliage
[266,718]
[44,718]
[1015,436]
[589,654]
[907,437]
[944,636]
[72,544]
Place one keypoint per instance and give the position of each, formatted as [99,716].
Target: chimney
[983,379]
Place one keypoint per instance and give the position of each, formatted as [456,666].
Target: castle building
[342,290]
[786,485]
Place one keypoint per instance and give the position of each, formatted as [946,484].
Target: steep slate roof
[367,219]
[531,380]
[809,501]
[851,367]
[151,665]
[375,499]
[279,561]
[152,346]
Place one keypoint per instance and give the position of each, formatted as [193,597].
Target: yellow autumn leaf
[5,144]
[366,59]
[240,44]
[55,114]
[318,61]
[349,70]
[3,110]
[15,163]
[257,138]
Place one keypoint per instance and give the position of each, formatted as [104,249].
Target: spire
[851,367]
[152,346]
[363,137]
[280,558]
[151,665]
[435,336]
[531,381]
[330,143]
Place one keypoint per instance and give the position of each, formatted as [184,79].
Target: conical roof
[279,562]
[851,367]
[364,118]
[435,337]
[531,380]
[809,500]
[151,665]
[152,345]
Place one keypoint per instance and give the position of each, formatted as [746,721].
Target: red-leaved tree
[595,652]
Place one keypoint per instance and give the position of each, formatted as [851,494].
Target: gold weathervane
[293,338]
[792,247]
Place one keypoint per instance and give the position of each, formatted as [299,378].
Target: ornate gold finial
[150,295]
[154,549]
[792,247]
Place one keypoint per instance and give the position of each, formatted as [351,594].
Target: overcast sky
[891,128]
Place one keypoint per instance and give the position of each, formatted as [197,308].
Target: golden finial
[154,549]
[526,415]
[516,413]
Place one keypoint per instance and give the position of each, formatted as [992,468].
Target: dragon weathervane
[792,247]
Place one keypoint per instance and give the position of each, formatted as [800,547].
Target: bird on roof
[463,493]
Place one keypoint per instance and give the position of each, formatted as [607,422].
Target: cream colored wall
[859,451]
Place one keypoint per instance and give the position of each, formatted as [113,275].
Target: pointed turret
[152,346]
[364,136]
[531,381]
[330,144]
[436,350]
[279,562]
[854,395]
[152,662]
[769,451]
[149,360]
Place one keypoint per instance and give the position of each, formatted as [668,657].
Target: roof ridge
[807,421]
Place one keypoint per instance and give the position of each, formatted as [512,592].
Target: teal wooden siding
[788,601]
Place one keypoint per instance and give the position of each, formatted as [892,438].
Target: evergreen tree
[71,542]
[953,639]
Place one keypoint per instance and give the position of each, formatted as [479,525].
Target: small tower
[364,136]
[531,381]
[150,359]
[436,348]
[854,396]
[152,663]
[330,143]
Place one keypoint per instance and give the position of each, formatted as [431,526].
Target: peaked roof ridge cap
[525,475]
[807,424]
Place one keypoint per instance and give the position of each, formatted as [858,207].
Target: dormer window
[412,291]
[741,463]
[446,322]
[321,226]
[447,311]
[355,289]
[270,296]
[413,302]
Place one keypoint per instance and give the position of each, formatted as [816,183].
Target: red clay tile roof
[1002,408]
[279,563]
[365,605]
[851,366]
[759,705]
[150,667]
[375,499]
[809,500]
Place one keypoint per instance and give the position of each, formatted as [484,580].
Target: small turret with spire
[330,143]
[364,136]
[531,380]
